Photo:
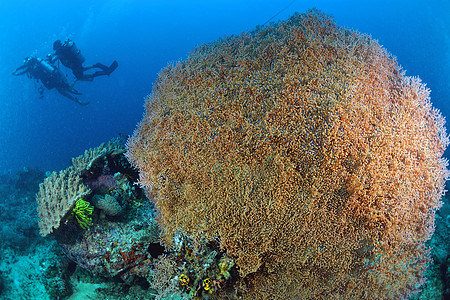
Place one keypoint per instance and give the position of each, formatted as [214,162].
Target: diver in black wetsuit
[70,56]
[50,76]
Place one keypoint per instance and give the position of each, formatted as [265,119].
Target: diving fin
[112,67]
[82,102]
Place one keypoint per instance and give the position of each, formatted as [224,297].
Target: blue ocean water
[143,36]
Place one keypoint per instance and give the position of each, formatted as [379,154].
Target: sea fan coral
[304,148]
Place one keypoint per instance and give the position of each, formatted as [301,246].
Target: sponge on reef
[304,148]
[108,204]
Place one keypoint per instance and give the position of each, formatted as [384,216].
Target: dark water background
[143,36]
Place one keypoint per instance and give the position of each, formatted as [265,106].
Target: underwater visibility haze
[143,36]
[252,150]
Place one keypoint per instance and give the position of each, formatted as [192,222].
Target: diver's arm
[51,58]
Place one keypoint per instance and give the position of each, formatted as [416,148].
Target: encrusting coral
[304,148]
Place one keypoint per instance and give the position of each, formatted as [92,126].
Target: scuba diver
[70,56]
[50,76]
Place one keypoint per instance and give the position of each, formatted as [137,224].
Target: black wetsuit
[50,76]
[70,56]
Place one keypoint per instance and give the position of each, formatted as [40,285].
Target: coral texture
[60,191]
[304,148]
[102,183]
[108,204]
[57,196]
[90,157]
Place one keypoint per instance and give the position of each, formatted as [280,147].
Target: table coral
[57,196]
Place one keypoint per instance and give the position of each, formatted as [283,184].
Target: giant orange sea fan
[304,148]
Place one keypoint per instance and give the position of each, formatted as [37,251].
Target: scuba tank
[74,51]
[47,73]
[50,76]
[38,67]
[47,67]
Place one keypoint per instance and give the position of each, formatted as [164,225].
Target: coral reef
[60,192]
[27,178]
[56,272]
[111,249]
[18,228]
[305,151]
[94,156]
[196,269]
[39,273]
[21,247]
[100,221]
[56,198]
[437,285]
[108,204]
[108,228]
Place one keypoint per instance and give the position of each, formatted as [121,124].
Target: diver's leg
[73,83]
[90,67]
[79,74]
[69,96]
[100,66]
[41,92]
[104,69]
[86,77]
[70,89]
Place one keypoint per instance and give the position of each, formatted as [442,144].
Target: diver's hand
[18,72]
